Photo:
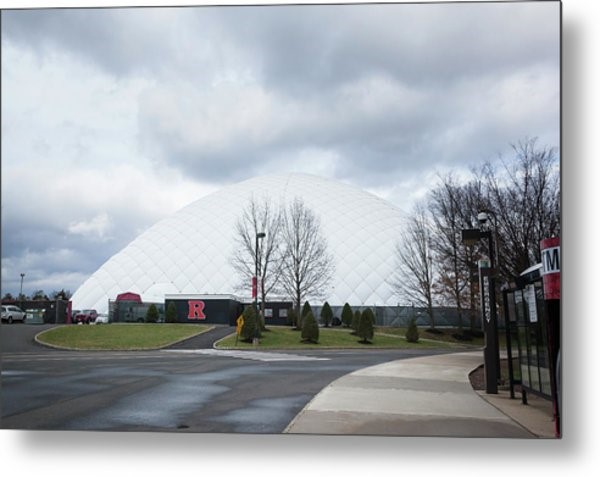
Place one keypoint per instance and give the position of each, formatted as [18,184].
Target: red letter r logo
[196,310]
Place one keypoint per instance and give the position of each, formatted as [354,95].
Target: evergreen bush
[249,328]
[462,335]
[412,332]
[171,316]
[326,315]
[347,315]
[310,328]
[355,321]
[366,326]
[306,309]
[152,314]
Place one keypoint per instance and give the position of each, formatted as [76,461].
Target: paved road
[19,338]
[186,390]
[205,340]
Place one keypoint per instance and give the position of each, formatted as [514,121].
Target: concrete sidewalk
[429,396]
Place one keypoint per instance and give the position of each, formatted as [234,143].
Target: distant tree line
[39,295]
[522,197]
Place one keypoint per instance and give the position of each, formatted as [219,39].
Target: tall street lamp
[491,233]
[259,235]
[21,292]
[487,271]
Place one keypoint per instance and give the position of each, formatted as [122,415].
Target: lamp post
[259,235]
[482,217]
[490,233]
[487,271]
[21,292]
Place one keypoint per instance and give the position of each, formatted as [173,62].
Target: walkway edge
[424,396]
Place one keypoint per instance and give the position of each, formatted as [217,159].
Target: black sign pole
[507,324]
[491,337]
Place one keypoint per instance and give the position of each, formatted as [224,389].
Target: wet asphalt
[19,338]
[205,340]
[187,388]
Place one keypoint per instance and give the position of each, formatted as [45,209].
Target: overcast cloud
[115,118]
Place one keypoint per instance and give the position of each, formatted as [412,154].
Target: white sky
[115,118]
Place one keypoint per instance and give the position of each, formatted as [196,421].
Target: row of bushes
[152,314]
[364,323]
[361,323]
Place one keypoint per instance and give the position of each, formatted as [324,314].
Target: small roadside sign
[240,323]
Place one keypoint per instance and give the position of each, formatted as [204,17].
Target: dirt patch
[477,377]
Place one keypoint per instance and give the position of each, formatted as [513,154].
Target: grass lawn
[119,336]
[285,338]
[444,334]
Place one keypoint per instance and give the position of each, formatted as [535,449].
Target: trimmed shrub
[366,326]
[310,329]
[412,332]
[326,315]
[474,333]
[249,328]
[347,315]
[171,316]
[462,336]
[355,321]
[305,310]
[152,314]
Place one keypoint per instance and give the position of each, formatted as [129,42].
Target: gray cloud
[156,106]
[309,49]
[303,48]
[322,66]
[121,41]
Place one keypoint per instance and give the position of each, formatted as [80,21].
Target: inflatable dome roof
[189,252]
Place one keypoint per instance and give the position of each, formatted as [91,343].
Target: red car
[85,316]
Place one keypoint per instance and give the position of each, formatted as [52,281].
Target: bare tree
[446,205]
[524,195]
[39,295]
[414,274]
[307,265]
[62,294]
[259,217]
[474,196]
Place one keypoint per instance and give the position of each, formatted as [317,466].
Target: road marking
[119,355]
[76,356]
[251,355]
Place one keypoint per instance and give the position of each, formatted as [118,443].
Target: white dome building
[190,251]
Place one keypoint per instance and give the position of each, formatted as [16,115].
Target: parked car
[85,317]
[11,313]
[102,318]
[74,314]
